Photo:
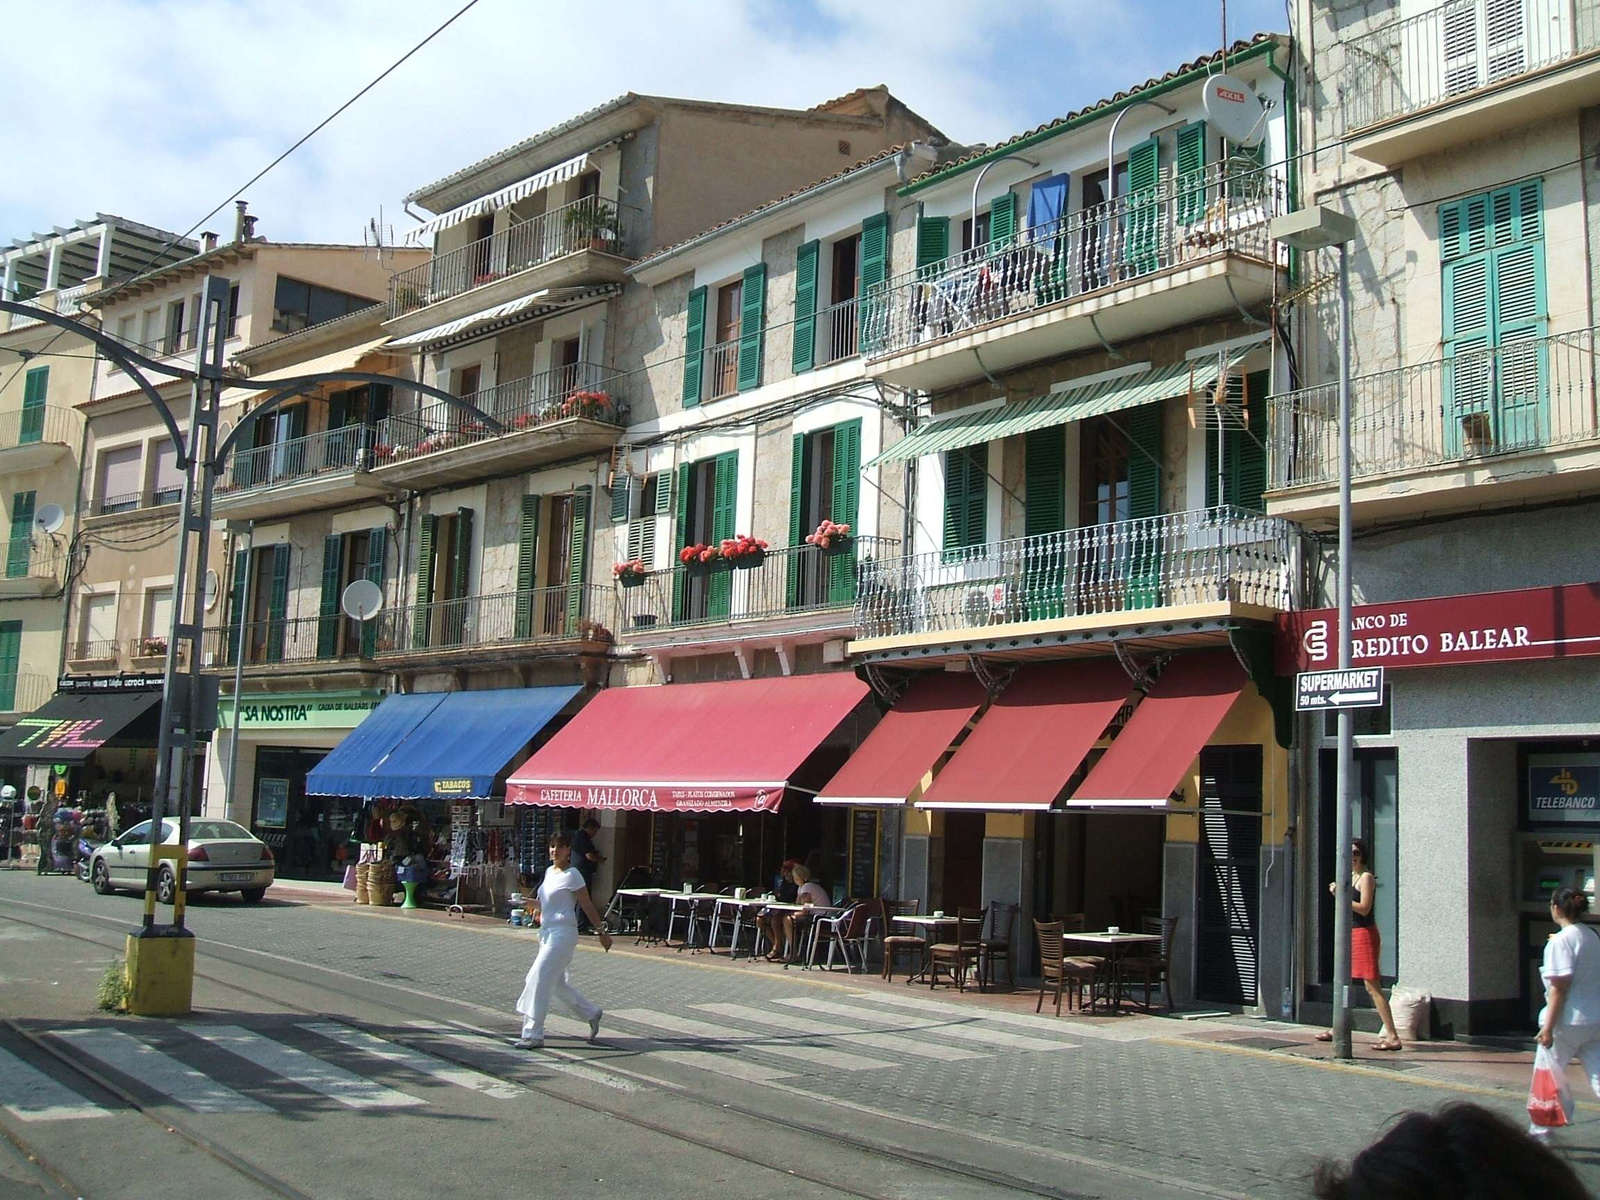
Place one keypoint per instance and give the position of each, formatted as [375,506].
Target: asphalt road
[343,1052]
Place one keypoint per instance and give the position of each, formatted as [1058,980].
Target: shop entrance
[1374,817]
[1107,866]
[309,835]
[1229,875]
[963,859]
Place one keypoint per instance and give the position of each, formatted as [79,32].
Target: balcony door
[557,563]
[725,353]
[1118,549]
[707,497]
[845,287]
[281,452]
[1097,232]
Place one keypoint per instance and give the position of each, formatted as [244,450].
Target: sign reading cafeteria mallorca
[649,798]
[1532,623]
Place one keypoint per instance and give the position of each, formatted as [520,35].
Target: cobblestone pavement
[1219,1107]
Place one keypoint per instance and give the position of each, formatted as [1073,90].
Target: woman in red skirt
[1365,943]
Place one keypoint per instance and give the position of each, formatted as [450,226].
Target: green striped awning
[1058,408]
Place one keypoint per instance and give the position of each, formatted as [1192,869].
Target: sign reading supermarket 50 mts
[1532,623]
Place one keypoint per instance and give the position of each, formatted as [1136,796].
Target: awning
[351,767]
[453,747]
[337,360]
[523,188]
[1034,736]
[70,726]
[688,747]
[547,300]
[1146,762]
[965,428]
[887,767]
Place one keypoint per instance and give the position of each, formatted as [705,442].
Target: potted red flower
[700,559]
[742,550]
[631,573]
[830,537]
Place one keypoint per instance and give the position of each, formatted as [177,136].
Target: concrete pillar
[10,286]
[52,274]
[102,261]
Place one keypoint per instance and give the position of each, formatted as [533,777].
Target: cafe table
[738,906]
[614,908]
[1116,946]
[816,910]
[929,925]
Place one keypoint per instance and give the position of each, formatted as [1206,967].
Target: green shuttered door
[805,307]
[35,386]
[328,610]
[1003,220]
[241,596]
[10,663]
[846,502]
[966,488]
[1142,224]
[20,546]
[278,603]
[1191,165]
[422,620]
[694,347]
[1244,457]
[578,557]
[724,512]
[797,486]
[527,565]
[752,316]
[874,276]
[377,553]
[1144,501]
[1045,512]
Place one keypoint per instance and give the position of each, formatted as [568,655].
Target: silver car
[223,857]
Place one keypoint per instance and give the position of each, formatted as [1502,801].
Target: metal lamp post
[1323,228]
[978,182]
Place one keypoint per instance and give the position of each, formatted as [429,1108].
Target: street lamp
[1323,228]
[978,182]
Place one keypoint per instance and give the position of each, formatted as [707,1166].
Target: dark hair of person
[560,839]
[1461,1152]
[1359,845]
[591,823]
[1571,903]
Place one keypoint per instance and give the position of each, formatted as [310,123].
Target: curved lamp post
[978,182]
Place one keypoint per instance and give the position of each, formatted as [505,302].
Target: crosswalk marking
[301,1068]
[812,1056]
[967,1012]
[160,1071]
[721,1063]
[28,1094]
[415,1060]
[879,1041]
[995,1039]
[485,1042]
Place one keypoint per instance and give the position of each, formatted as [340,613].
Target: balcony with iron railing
[318,470]
[838,332]
[584,242]
[1193,246]
[34,564]
[25,691]
[93,654]
[1523,418]
[560,413]
[1189,575]
[296,641]
[779,594]
[37,436]
[1465,70]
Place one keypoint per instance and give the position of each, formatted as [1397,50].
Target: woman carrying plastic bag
[1569,1024]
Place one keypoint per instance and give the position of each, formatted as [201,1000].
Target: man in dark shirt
[587,859]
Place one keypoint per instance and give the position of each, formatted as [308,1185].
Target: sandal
[1385,1044]
[1325,1036]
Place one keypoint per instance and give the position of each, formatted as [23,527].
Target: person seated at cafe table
[770,923]
[795,924]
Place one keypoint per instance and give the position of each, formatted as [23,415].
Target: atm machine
[1559,846]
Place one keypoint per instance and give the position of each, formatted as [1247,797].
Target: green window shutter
[681,536]
[871,309]
[621,497]
[328,613]
[10,662]
[21,545]
[578,558]
[846,502]
[933,241]
[460,574]
[241,589]
[1519,308]
[1250,474]
[1003,220]
[966,497]
[1144,461]
[1142,222]
[1191,164]
[527,564]
[278,609]
[1045,497]
[805,307]
[642,528]
[797,491]
[694,347]
[724,512]
[663,492]
[422,619]
[377,548]
[752,317]
[36,385]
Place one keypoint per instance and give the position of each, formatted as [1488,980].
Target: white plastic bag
[1411,1013]
[1549,1100]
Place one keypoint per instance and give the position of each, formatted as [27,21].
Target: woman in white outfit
[1570,1020]
[560,894]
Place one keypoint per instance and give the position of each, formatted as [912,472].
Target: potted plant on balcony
[830,537]
[700,559]
[631,573]
[593,225]
[742,550]
[593,406]
[407,296]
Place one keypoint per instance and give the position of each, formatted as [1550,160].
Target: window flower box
[743,551]
[830,537]
[701,559]
[631,573]
[593,406]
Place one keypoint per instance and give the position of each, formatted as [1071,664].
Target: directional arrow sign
[1319,691]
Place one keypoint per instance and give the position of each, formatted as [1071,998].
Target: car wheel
[166,886]
[100,879]
[253,895]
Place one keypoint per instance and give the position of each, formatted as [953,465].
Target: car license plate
[236,877]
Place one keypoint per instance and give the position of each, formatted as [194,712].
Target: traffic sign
[1319,691]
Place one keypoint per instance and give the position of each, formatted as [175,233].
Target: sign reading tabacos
[1532,623]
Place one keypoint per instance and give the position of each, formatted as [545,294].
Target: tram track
[684,1131]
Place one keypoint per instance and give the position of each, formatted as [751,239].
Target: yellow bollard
[161,973]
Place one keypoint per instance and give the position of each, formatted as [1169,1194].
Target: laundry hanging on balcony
[506,196]
[972,427]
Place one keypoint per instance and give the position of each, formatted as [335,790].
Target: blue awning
[348,770]
[455,748]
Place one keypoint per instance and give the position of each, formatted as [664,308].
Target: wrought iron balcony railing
[1457,49]
[40,424]
[1208,555]
[587,224]
[838,332]
[25,691]
[32,555]
[1184,218]
[93,650]
[552,614]
[786,582]
[1525,396]
[328,450]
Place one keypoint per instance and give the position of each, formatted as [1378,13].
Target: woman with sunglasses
[1365,943]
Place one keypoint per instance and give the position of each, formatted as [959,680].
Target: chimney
[239,219]
[249,229]
[208,241]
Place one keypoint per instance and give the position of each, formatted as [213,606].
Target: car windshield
[201,831]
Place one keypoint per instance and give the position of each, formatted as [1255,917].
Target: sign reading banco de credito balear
[310,710]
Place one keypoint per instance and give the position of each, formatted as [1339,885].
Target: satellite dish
[361,600]
[213,589]
[49,518]
[1233,110]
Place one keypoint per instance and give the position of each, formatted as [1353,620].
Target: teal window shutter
[694,347]
[1045,466]
[724,512]
[966,498]
[527,565]
[21,545]
[1144,461]
[10,662]
[36,385]
[241,597]
[797,492]
[621,498]
[377,548]
[578,558]
[846,508]
[1191,165]
[278,603]
[1519,317]
[681,537]
[1244,454]
[805,307]
[874,275]
[457,581]
[422,619]
[642,528]
[1142,222]
[1003,220]
[933,241]
[752,317]
[328,611]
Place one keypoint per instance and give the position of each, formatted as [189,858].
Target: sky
[157,110]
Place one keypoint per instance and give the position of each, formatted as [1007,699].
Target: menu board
[533,840]
[863,853]
[660,848]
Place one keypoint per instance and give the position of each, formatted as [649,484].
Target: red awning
[1033,737]
[689,747]
[1145,764]
[912,735]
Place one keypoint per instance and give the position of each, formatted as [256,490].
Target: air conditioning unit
[983,605]
[1477,432]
